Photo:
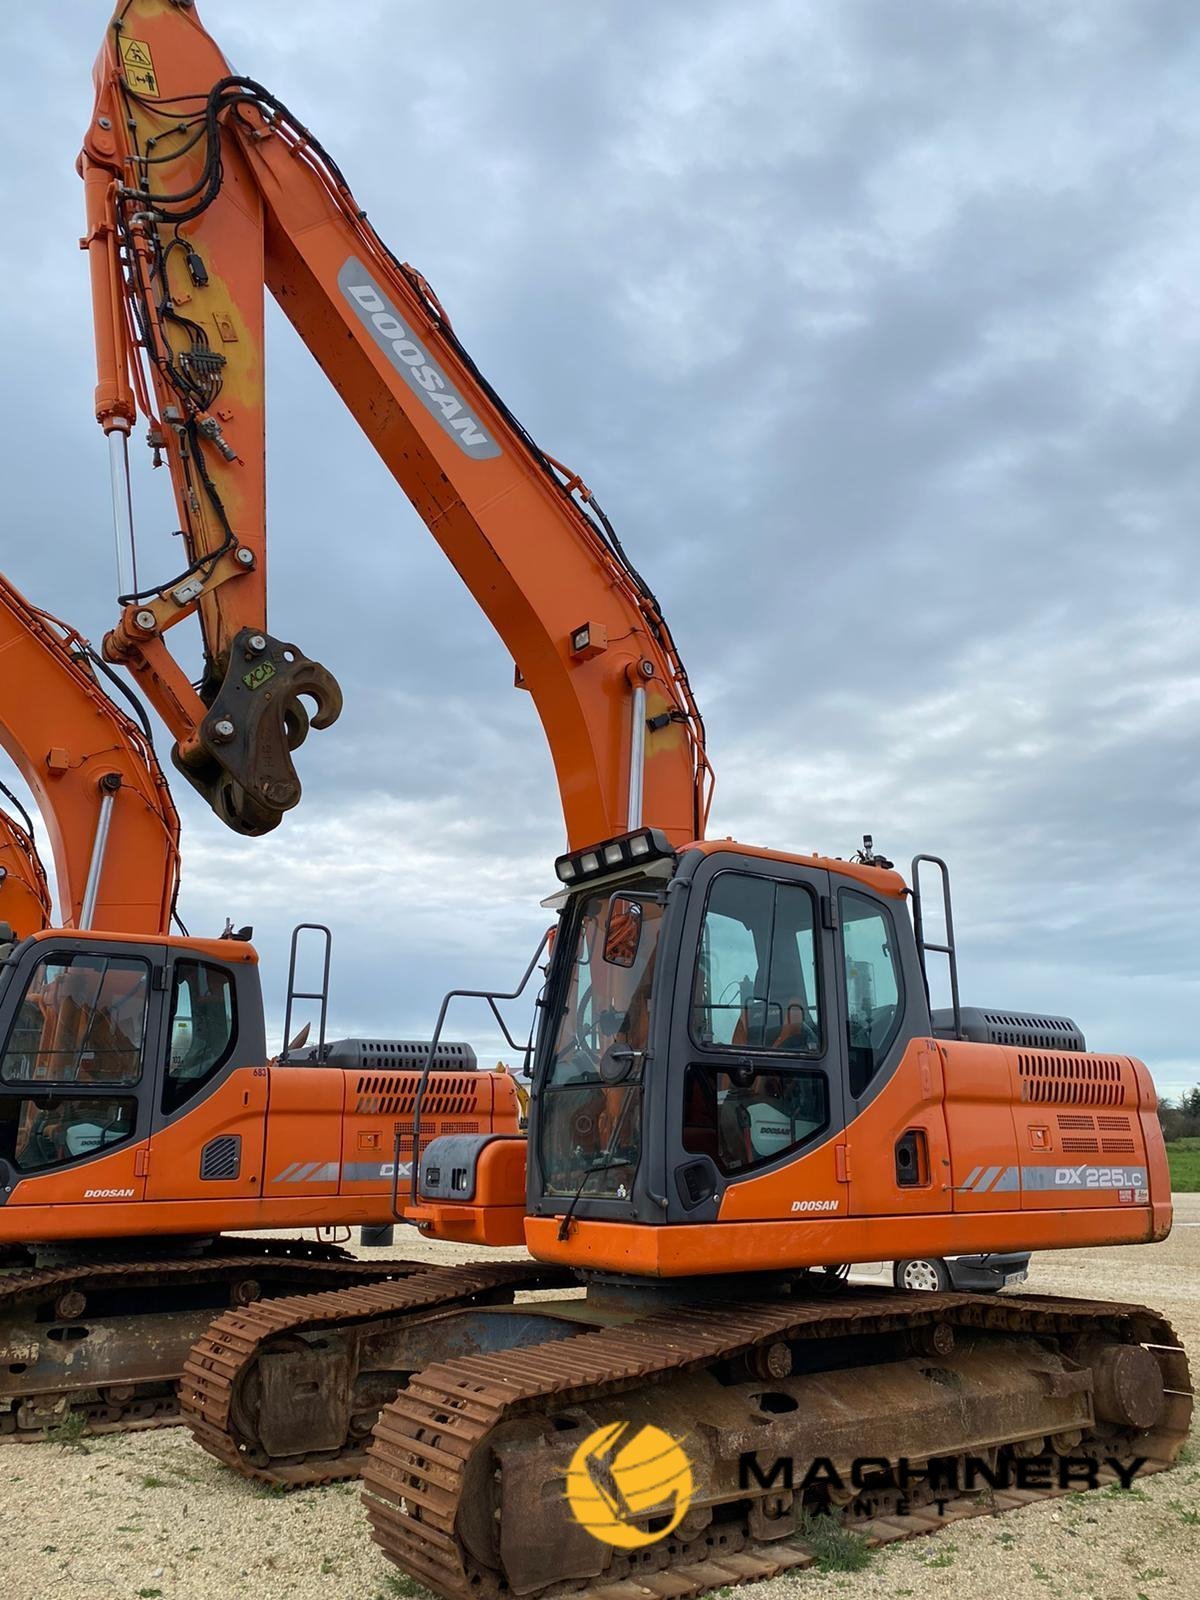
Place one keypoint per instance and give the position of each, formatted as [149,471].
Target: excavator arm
[202,188]
[112,824]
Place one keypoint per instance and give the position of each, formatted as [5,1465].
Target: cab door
[209,1115]
[756,1083]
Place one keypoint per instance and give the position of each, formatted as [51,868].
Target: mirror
[622,931]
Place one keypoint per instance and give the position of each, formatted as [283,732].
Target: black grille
[222,1158]
[390,1055]
[1027,1030]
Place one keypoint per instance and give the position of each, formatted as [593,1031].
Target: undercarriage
[99,1344]
[470,1399]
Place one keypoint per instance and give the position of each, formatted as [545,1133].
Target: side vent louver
[221,1159]
[1080,1080]
[1089,1135]
[448,1094]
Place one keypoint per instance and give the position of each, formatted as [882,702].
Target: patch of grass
[1183,1157]
[150,1481]
[327,1566]
[70,1432]
[944,1558]
[399,1583]
[1190,1519]
[1150,1574]
[837,1549]
[149,1594]
[1115,1492]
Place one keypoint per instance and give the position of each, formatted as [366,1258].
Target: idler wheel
[70,1305]
[1127,1386]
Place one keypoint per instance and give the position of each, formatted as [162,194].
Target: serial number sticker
[139,67]
[1143,1197]
[258,675]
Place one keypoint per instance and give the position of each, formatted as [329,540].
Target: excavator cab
[712,1015]
[107,1039]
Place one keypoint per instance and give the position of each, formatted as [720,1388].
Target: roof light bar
[629,849]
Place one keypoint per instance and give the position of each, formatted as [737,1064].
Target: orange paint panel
[101,1185]
[722,1247]
[237,1109]
[304,1131]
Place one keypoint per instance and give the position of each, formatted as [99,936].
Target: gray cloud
[874,329]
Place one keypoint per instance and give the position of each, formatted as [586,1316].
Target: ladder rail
[491,996]
[294,994]
[925,946]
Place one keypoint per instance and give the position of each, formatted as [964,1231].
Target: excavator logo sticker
[413,362]
[139,67]
[633,1495]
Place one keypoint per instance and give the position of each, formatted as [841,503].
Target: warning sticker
[139,67]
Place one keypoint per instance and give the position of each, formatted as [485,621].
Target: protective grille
[1014,1028]
[221,1158]
[1070,1079]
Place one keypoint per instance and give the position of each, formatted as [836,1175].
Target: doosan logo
[413,361]
[108,1194]
[815,1205]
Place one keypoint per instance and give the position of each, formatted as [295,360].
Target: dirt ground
[149,1515]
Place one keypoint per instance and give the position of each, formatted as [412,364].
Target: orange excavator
[136,1095]
[738,1078]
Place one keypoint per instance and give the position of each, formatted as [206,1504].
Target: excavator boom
[24,889]
[112,823]
[202,187]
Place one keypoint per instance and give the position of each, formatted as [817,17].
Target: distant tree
[1180,1118]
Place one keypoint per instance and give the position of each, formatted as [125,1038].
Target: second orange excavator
[140,1114]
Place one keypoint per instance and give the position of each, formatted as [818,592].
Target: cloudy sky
[874,326]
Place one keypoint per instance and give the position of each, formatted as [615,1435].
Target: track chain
[224,1357]
[416,1472]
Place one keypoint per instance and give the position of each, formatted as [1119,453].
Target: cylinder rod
[91,892]
[122,509]
[637,758]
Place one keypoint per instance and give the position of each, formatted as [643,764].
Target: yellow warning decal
[139,67]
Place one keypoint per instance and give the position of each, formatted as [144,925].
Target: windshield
[591,1106]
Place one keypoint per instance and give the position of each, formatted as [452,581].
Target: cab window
[201,1035]
[744,1119]
[873,986]
[52,1130]
[82,1020]
[755,986]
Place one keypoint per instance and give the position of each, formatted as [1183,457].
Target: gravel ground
[149,1515]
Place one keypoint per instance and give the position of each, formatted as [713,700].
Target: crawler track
[107,1340]
[223,1363]
[433,1477]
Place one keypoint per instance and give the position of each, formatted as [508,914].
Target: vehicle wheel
[921,1272]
